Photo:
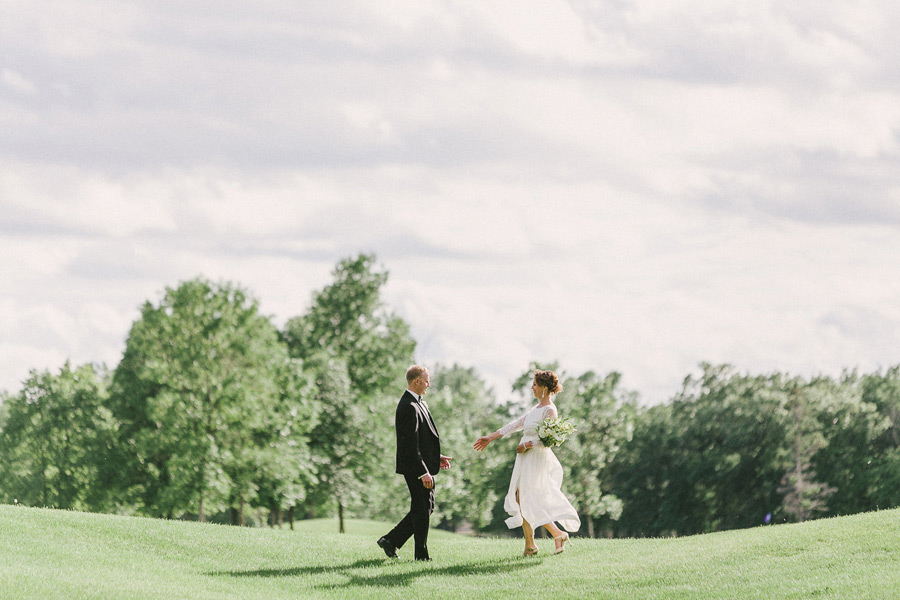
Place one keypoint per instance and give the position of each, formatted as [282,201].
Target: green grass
[361,527]
[47,554]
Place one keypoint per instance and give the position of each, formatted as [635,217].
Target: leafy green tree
[804,496]
[283,470]
[883,390]
[54,438]
[274,470]
[349,320]
[645,475]
[710,460]
[739,428]
[359,352]
[465,409]
[603,415]
[852,428]
[199,392]
[4,409]
[341,444]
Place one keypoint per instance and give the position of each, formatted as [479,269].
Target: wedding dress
[537,476]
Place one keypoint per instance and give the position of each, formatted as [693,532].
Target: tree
[883,390]
[54,438]
[284,471]
[645,475]
[710,460]
[349,320]
[804,496]
[739,431]
[465,409]
[341,444]
[358,350]
[199,391]
[4,408]
[602,414]
[275,469]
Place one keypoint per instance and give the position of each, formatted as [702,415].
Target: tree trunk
[44,482]
[590,524]
[895,425]
[340,517]
[291,516]
[201,516]
[276,516]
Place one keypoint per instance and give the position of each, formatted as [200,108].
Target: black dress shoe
[426,559]
[386,545]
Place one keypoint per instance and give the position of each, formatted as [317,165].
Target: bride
[534,497]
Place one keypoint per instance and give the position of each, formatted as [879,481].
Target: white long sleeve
[513,427]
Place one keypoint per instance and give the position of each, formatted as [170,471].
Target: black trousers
[415,523]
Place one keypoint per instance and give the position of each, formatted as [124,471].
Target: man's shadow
[387,578]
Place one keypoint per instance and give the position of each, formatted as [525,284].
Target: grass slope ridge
[51,554]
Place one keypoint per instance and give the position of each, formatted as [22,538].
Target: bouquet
[553,432]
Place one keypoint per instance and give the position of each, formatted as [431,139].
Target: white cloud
[546,31]
[44,335]
[17,82]
[637,186]
[74,199]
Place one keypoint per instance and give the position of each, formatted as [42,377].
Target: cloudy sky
[628,185]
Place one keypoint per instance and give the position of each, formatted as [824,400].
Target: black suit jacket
[418,442]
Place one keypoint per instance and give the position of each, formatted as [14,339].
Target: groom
[418,459]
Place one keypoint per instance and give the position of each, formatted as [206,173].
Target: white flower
[553,432]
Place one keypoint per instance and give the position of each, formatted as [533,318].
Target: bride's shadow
[386,578]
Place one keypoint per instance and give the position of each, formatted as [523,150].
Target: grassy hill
[47,554]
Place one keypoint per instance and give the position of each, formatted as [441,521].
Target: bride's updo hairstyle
[549,380]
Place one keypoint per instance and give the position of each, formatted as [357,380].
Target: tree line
[214,413]
[734,450]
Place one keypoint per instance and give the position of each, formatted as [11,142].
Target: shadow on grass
[388,577]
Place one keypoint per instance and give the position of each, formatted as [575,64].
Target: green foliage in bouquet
[553,432]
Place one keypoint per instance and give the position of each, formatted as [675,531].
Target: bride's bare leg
[557,534]
[553,529]
[526,528]
[529,534]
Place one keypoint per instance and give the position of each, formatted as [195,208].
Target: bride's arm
[482,442]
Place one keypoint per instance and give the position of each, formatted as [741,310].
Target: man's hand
[445,461]
[428,481]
